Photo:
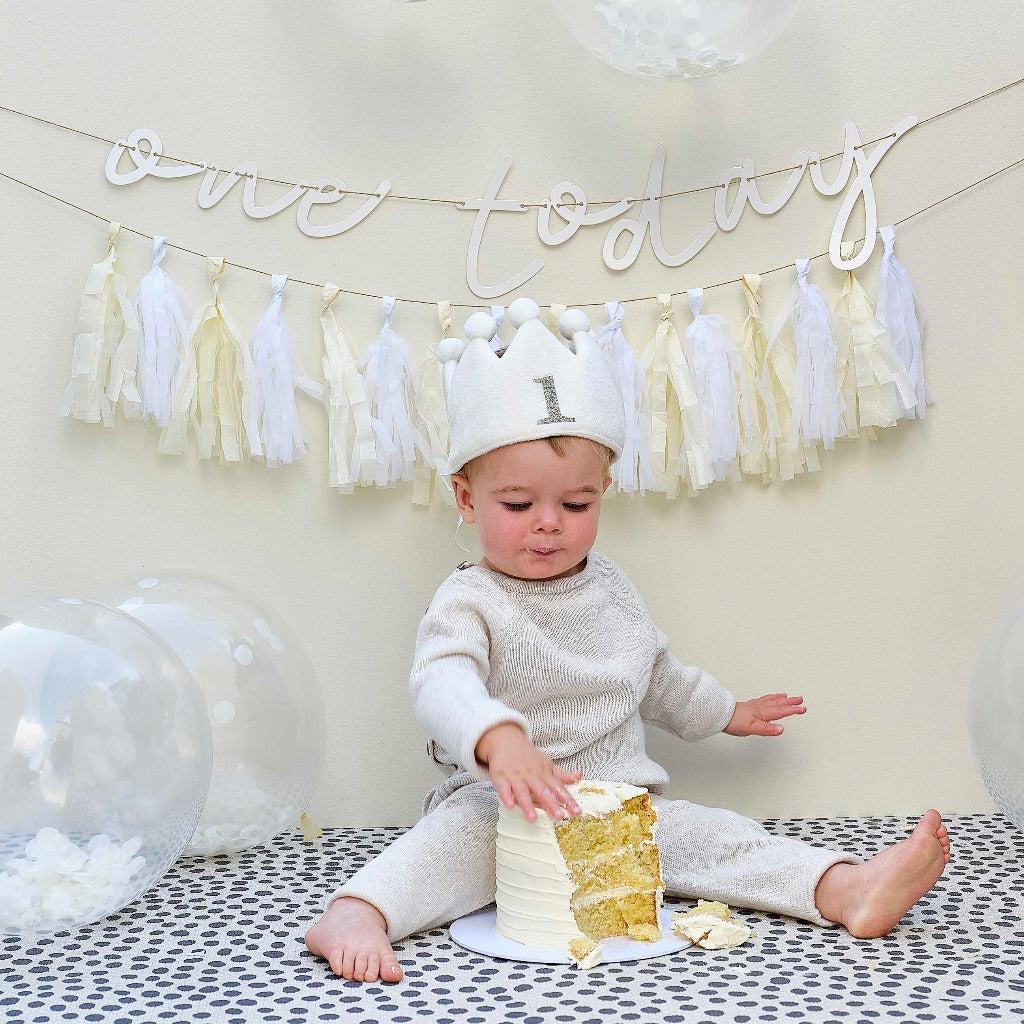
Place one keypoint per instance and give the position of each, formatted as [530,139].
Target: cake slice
[598,874]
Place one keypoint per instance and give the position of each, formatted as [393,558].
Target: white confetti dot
[243,654]
[149,581]
[132,604]
[224,712]
[277,643]
[262,628]
[70,600]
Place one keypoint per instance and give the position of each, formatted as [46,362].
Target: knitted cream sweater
[577,662]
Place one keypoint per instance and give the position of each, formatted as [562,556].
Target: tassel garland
[698,410]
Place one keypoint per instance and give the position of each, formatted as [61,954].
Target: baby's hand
[524,775]
[757,717]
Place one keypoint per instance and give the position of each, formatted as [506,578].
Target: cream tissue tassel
[276,375]
[678,446]
[105,340]
[899,312]
[753,346]
[352,448]
[876,388]
[775,386]
[163,337]
[432,417]
[212,385]
[632,472]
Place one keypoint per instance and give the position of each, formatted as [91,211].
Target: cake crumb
[707,907]
[710,925]
[585,953]
[644,933]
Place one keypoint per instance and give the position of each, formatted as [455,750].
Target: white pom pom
[522,310]
[481,325]
[573,322]
[449,350]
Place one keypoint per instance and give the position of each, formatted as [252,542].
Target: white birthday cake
[597,875]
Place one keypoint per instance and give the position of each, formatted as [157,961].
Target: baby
[539,665]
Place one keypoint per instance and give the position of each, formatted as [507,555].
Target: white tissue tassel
[718,377]
[632,472]
[899,311]
[818,406]
[163,336]
[391,387]
[275,378]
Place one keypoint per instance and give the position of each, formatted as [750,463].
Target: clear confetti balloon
[675,38]
[105,759]
[264,703]
[997,716]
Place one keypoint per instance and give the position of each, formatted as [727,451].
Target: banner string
[532,205]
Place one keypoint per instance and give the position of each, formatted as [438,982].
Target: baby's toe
[372,967]
[389,968]
[347,964]
[359,972]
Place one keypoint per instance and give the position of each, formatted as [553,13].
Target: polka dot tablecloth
[219,941]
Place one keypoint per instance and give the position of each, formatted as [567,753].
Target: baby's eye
[576,506]
[516,506]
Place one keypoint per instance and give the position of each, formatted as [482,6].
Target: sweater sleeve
[448,682]
[685,700]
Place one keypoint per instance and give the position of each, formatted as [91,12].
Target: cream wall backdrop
[868,588]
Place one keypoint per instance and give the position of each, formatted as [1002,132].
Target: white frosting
[533,885]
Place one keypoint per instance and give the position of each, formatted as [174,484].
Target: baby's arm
[525,775]
[685,700]
[691,703]
[448,682]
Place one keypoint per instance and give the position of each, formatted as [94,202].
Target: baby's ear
[463,496]
[607,481]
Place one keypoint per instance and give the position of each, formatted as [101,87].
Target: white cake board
[476,932]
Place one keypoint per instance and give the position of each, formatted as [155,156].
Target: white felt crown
[538,387]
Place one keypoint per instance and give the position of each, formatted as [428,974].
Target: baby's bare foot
[877,893]
[352,937]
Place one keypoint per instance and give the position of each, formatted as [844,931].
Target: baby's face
[536,512]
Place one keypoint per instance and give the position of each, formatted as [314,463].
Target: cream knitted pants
[443,867]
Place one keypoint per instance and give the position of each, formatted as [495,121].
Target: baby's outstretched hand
[758,717]
[524,775]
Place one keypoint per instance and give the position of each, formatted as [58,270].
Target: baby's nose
[548,519]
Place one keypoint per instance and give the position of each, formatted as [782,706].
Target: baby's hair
[558,443]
